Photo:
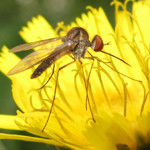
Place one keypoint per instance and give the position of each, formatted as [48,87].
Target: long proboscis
[116,58]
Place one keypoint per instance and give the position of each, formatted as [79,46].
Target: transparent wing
[40,55]
[27,46]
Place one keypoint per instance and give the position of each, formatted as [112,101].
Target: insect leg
[112,68]
[86,86]
[55,93]
[48,78]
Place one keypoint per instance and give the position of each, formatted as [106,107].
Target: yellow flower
[120,105]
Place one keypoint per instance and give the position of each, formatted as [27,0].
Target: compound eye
[97,43]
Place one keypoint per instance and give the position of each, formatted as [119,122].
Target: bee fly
[76,42]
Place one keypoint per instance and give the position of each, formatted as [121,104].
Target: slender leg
[86,86]
[55,93]
[93,57]
[48,78]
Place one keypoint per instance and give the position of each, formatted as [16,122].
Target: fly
[76,42]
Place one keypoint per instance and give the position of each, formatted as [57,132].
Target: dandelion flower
[120,105]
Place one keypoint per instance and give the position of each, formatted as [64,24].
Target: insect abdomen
[42,67]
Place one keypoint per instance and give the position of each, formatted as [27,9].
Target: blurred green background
[13,15]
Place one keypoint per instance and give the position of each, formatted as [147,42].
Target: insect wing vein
[27,46]
[39,56]
[29,61]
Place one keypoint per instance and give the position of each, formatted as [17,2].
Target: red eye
[97,43]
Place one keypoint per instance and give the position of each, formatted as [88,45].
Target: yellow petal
[108,131]
[37,30]
[27,138]
[8,122]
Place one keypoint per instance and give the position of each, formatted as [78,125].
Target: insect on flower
[74,44]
